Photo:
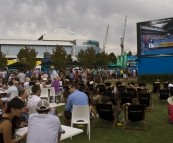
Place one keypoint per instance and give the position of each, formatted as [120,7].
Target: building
[70,41]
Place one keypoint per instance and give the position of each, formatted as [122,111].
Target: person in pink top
[55,84]
[170,110]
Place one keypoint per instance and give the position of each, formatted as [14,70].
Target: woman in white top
[43,84]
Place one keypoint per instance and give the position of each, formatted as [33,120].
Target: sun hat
[27,79]
[52,67]
[55,77]
[43,105]
[44,78]
[170,100]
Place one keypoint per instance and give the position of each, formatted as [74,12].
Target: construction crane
[104,43]
[123,36]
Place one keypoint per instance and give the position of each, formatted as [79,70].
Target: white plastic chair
[14,94]
[80,115]
[32,110]
[52,91]
[44,93]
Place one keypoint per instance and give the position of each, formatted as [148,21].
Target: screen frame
[138,25]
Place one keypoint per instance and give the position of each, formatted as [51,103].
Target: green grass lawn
[157,128]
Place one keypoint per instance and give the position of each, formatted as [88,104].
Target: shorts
[67,115]
[5,99]
[95,76]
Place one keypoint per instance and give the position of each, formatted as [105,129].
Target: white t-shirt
[43,128]
[21,77]
[11,89]
[32,102]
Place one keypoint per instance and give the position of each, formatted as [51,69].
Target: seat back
[121,89]
[118,83]
[44,93]
[144,98]
[13,94]
[81,88]
[132,91]
[107,83]
[156,87]
[52,91]
[141,84]
[126,98]
[165,85]
[80,113]
[136,112]
[101,88]
[105,111]
[89,99]
[164,94]
[171,91]
[111,96]
[32,110]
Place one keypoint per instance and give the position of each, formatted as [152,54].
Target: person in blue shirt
[75,98]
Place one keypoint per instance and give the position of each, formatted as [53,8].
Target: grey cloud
[30,18]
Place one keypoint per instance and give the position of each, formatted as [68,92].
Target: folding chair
[125,98]
[121,89]
[145,98]
[156,87]
[141,85]
[165,85]
[105,112]
[90,101]
[136,113]
[80,115]
[118,83]
[82,88]
[163,95]
[111,96]
[132,91]
[44,93]
[171,91]
[107,83]
[101,88]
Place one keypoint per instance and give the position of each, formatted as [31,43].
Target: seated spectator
[9,91]
[170,110]
[43,84]
[18,85]
[24,97]
[43,127]
[32,102]
[75,98]
[106,100]
[10,121]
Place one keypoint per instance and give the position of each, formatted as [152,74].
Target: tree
[87,57]
[69,58]
[3,60]
[112,57]
[129,53]
[59,56]
[103,57]
[27,56]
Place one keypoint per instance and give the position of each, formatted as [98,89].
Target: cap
[27,79]
[43,105]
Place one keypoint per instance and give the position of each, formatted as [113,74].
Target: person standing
[43,127]
[21,76]
[54,73]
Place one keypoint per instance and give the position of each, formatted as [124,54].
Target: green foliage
[87,57]
[103,57]
[154,77]
[59,56]
[27,56]
[129,53]
[112,57]
[3,60]
[69,58]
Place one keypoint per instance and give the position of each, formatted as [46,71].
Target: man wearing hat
[43,127]
[54,73]
[170,110]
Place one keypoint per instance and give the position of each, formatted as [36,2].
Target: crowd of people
[71,86]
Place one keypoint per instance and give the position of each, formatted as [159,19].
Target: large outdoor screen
[155,38]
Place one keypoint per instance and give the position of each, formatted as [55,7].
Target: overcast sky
[29,19]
